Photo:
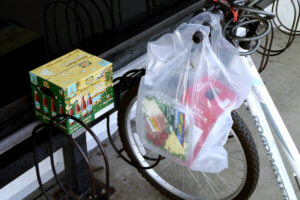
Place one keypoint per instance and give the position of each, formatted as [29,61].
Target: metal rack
[76,162]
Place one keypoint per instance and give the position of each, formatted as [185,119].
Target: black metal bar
[67,193]
[100,146]
[36,164]
[19,159]
[75,168]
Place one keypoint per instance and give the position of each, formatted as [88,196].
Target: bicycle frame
[262,108]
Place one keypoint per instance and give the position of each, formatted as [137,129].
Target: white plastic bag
[226,52]
[186,98]
[166,127]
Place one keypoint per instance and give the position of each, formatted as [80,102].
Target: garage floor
[282,78]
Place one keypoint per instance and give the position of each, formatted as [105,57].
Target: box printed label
[165,127]
[75,87]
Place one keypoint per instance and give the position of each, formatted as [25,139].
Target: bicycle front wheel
[238,181]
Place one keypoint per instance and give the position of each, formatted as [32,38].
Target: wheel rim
[201,190]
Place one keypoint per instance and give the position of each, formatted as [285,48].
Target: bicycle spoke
[193,184]
[215,184]
[224,181]
[183,178]
[233,174]
[196,180]
[206,192]
[234,151]
[235,157]
[206,178]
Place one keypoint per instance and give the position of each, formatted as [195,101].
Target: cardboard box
[77,83]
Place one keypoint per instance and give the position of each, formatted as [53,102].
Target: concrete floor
[282,78]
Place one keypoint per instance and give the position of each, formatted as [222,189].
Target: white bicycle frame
[262,108]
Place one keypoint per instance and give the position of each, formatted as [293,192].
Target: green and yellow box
[77,83]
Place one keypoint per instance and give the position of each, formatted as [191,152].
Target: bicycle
[240,146]
[261,106]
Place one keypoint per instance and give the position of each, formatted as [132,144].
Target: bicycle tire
[239,127]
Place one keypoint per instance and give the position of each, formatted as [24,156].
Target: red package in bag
[207,101]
